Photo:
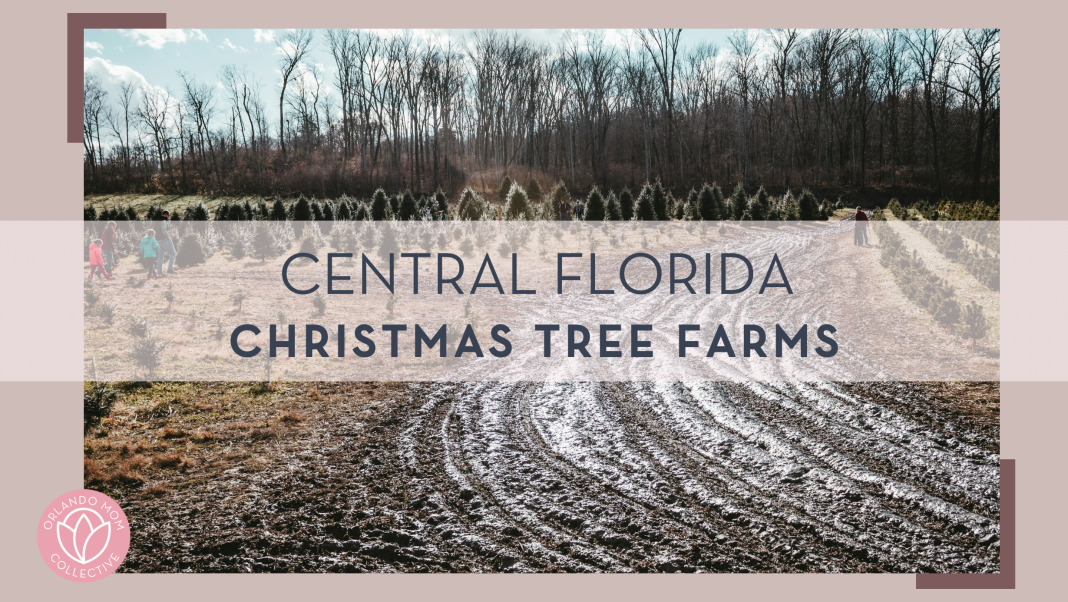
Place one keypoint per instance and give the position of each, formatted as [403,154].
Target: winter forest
[914,112]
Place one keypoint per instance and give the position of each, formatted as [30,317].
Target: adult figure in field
[107,247]
[149,251]
[564,210]
[96,261]
[580,209]
[860,227]
[166,245]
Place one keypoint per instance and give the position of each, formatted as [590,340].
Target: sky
[155,56]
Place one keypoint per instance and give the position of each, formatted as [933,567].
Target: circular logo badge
[83,535]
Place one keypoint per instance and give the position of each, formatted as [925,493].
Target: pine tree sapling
[613,211]
[319,302]
[534,191]
[595,209]
[302,211]
[97,400]
[517,205]
[708,204]
[381,209]
[739,202]
[237,248]
[263,244]
[504,188]
[973,322]
[278,211]
[344,212]
[471,207]
[808,206]
[442,201]
[660,201]
[239,297]
[626,204]
[408,207]
[644,210]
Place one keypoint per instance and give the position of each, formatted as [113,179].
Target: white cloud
[110,74]
[263,36]
[158,38]
[227,44]
[95,46]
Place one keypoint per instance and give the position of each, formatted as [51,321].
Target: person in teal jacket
[149,250]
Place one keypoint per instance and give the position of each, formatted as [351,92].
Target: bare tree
[293,46]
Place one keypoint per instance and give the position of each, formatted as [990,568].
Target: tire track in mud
[644,476]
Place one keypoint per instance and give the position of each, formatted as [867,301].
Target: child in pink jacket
[96,260]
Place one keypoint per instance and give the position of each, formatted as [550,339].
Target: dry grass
[161,437]
[172,433]
[171,460]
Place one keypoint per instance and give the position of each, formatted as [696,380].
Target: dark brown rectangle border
[77,23]
[1006,579]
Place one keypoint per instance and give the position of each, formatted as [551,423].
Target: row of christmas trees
[653,202]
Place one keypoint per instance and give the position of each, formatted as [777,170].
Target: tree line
[823,109]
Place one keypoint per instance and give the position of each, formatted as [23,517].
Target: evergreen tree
[302,212]
[247,213]
[408,207]
[613,211]
[974,322]
[344,212]
[278,211]
[644,209]
[504,189]
[90,214]
[517,204]
[316,211]
[263,245]
[595,209]
[626,204]
[660,201]
[739,202]
[442,201]
[236,213]
[534,192]
[760,206]
[388,244]
[362,213]
[559,194]
[471,206]
[191,252]
[222,212]
[707,203]
[394,205]
[131,215]
[381,208]
[808,206]
[790,208]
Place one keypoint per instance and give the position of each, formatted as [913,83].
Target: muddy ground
[615,477]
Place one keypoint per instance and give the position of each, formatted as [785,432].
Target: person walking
[860,227]
[149,251]
[96,261]
[108,247]
[564,211]
[166,245]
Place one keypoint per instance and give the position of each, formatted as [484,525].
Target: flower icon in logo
[83,535]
